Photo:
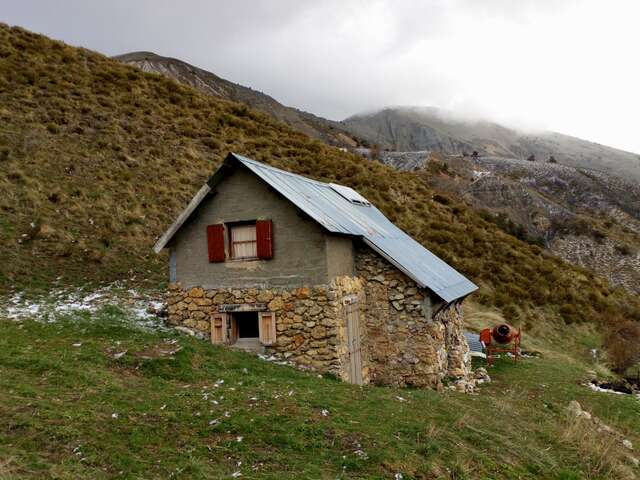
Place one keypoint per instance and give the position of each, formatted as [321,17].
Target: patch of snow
[273,359]
[478,354]
[596,388]
[362,454]
[477,174]
[140,309]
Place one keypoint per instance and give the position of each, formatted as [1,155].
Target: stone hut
[311,272]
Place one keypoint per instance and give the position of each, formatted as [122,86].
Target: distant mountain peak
[414,128]
[327,130]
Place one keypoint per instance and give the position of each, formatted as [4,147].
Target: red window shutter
[215,241]
[264,239]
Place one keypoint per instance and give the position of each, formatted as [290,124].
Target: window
[350,194]
[242,241]
[244,329]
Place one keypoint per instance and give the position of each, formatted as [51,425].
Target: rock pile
[469,384]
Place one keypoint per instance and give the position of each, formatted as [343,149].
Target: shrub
[622,343]
[443,199]
[622,248]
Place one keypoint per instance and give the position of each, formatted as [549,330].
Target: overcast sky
[571,66]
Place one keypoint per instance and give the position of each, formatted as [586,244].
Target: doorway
[245,331]
[247,324]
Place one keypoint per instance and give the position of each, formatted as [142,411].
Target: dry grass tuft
[602,454]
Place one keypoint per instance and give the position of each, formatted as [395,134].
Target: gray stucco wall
[300,245]
[340,256]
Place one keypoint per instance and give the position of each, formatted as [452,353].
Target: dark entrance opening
[247,323]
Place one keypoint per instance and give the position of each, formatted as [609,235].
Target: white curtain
[243,241]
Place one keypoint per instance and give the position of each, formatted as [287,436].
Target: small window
[243,242]
[350,194]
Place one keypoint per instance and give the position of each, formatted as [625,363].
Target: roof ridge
[242,158]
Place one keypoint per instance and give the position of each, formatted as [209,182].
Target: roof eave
[390,259]
[184,215]
[207,188]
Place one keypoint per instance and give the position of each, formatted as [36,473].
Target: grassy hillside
[96,159]
[94,397]
[328,131]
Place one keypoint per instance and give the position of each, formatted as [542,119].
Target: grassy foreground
[73,406]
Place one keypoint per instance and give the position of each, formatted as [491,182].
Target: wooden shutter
[267,328]
[215,242]
[264,239]
[219,328]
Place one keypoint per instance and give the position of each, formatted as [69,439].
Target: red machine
[501,339]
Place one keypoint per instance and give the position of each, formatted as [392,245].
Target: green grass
[57,403]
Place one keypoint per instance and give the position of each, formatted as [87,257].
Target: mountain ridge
[409,128]
[403,128]
[323,129]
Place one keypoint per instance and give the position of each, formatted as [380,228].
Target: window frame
[230,226]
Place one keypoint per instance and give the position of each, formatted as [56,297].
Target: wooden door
[219,328]
[352,311]
[267,328]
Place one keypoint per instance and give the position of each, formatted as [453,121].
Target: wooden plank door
[219,328]
[352,311]
[267,327]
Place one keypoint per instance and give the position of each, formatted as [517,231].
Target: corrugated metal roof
[473,339]
[337,214]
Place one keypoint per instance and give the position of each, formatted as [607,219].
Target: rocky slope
[207,82]
[428,128]
[587,217]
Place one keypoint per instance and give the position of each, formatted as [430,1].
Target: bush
[444,200]
[622,248]
[622,343]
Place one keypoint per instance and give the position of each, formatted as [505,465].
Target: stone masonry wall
[407,338]
[402,344]
[310,325]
